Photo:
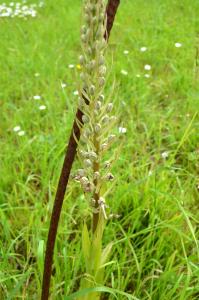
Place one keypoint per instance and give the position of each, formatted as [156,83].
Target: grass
[156,251]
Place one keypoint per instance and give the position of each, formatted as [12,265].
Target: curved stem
[65,173]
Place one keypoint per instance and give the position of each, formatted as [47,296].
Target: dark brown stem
[65,173]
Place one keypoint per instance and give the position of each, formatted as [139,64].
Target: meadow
[153,57]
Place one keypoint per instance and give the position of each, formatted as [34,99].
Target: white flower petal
[122,130]
[36,97]
[42,107]
[16,128]
[178,45]
[124,72]
[71,66]
[21,133]
[143,49]
[147,67]
[165,154]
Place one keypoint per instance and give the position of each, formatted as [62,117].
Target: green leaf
[105,253]
[86,246]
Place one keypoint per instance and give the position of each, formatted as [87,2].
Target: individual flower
[178,45]
[71,66]
[122,130]
[165,154]
[21,133]
[124,72]
[37,97]
[75,93]
[78,66]
[126,52]
[143,49]
[16,128]
[146,75]
[42,107]
[63,85]
[147,67]
[138,75]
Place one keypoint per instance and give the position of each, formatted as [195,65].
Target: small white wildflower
[165,154]
[42,107]
[37,74]
[16,128]
[37,97]
[63,85]
[126,52]
[143,49]
[21,133]
[75,93]
[124,72]
[146,75]
[178,45]
[138,75]
[122,130]
[71,66]
[150,173]
[147,67]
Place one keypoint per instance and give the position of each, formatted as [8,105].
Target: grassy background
[156,251]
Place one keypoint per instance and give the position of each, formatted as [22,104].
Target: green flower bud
[94,20]
[81,172]
[92,155]
[102,70]
[97,128]
[109,177]
[101,97]
[83,38]
[109,107]
[92,90]
[98,105]
[101,60]
[88,163]
[85,119]
[81,59]
[103,146]
[83,29]
[101,81]
[105,119]
[111,137]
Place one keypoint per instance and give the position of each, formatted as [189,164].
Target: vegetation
[153,55]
